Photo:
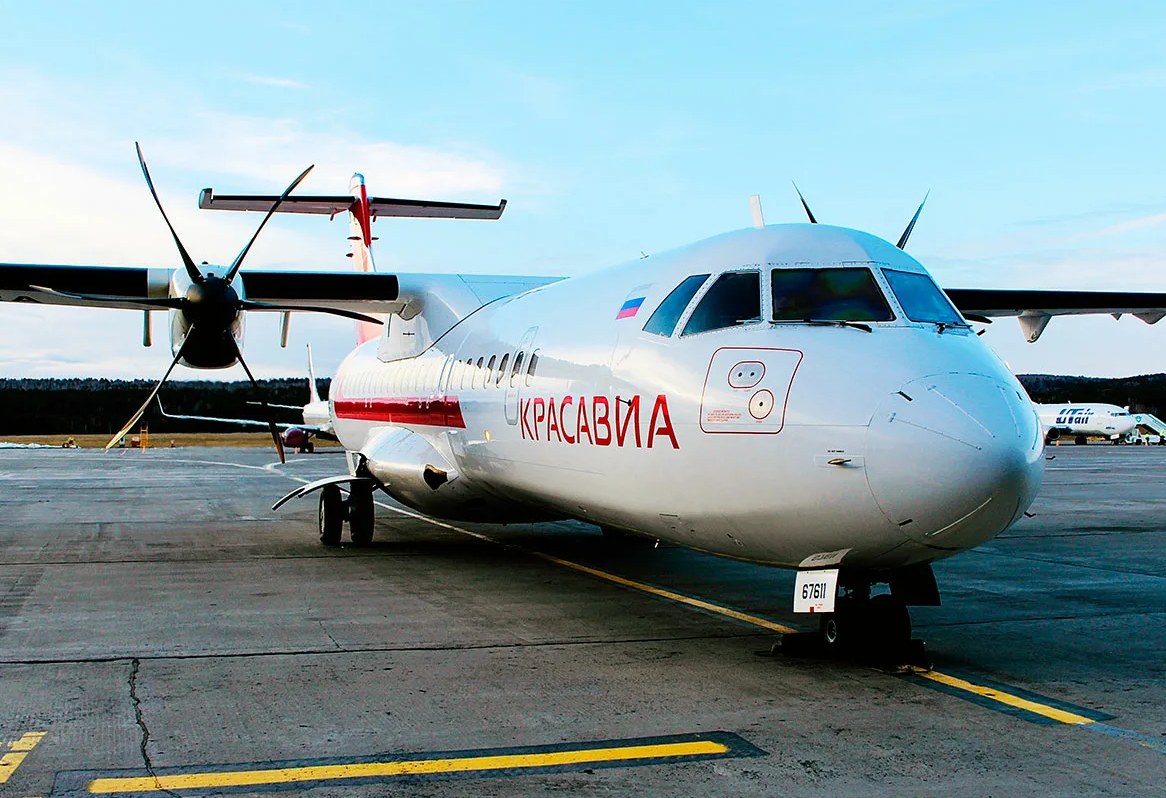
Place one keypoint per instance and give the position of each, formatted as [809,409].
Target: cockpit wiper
[857,325]
[941,326]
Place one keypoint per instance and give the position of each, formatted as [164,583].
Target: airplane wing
[341,203]
[1034,308]
[319,431]
[148,288]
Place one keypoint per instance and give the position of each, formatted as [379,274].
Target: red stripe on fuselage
[439,411]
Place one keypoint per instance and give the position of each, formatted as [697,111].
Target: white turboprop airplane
[1079,421]
[799,395]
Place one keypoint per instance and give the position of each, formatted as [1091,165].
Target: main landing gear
[358,510]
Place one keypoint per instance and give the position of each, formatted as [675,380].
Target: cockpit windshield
[921,298]
[831,294]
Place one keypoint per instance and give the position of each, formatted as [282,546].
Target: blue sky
[611,128]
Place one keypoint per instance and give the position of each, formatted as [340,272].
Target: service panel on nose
[746,390]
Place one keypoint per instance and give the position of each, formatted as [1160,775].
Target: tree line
[99,406]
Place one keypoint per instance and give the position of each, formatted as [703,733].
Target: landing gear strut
[358,510]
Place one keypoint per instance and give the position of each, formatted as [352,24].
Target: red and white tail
[360,234]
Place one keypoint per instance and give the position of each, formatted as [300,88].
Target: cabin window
[502,369]
[517,368]
[531,366]
[847,294]
[477,372]
[733,300]
[663,320]
[489,371]
[921,298]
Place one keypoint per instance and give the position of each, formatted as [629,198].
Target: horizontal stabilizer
[341,203]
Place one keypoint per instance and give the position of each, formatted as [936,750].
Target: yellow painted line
[18,750]
[668,594]
[245,778]
[1059,715]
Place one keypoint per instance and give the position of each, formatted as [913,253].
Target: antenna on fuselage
[755,207]
[911,226]
[804,205]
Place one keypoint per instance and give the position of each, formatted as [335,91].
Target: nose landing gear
[877,628]
[873,630]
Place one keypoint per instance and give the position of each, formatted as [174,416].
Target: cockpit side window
[734,299]
[832,294]
[921,298]
[663,320]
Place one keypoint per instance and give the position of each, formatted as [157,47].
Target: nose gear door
[746,390]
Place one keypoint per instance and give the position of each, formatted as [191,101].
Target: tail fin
[313,391]
[360,234]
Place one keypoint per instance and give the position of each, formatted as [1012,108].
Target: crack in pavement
[404,648]
[135,665]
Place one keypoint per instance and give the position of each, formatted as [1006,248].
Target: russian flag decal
[631,305]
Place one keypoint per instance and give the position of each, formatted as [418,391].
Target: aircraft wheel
[331,515]
[361,514]
[830,631]
[309,447]
[1080,440]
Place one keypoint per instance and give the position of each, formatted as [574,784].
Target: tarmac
[163,631]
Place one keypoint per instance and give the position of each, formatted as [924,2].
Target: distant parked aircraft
[1082,420]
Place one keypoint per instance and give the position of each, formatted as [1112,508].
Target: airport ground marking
[954,684]
[1008,699]
[17,751]
[679,598]
[1144,740]
[464,764]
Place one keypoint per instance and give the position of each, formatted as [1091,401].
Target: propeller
[911,225]
[211,306]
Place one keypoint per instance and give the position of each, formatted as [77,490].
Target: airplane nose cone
[953,459]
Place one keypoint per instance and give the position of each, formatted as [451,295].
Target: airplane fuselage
[771,437]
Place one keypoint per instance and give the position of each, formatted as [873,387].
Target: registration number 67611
[814,591]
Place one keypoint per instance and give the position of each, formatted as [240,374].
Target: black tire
[1080,440]
[331,515]
[361,514]
[309,447]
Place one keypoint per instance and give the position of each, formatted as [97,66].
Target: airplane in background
[1080,421]
[316,422]
[799,395]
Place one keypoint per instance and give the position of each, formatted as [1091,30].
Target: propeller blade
[804,205]
[187,261]
[158,302]
[230,275]
[254,384]
[146,404]
[348,314]
[911,226]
